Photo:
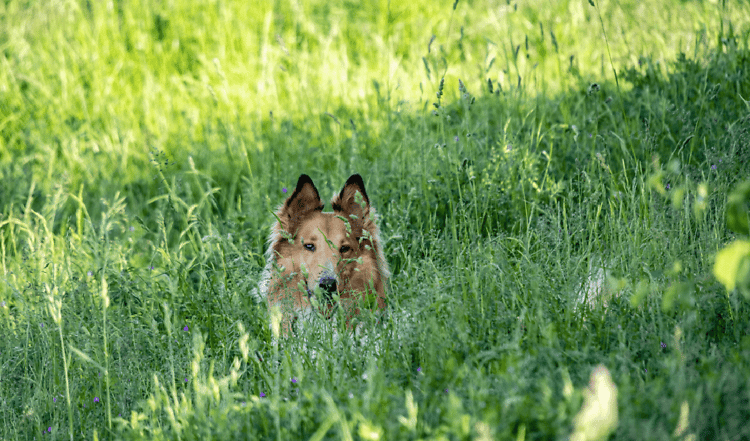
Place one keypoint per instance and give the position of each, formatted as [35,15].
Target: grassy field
[559,208]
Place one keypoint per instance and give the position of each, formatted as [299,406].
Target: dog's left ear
[347,201]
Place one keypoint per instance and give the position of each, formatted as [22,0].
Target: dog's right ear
[303,201]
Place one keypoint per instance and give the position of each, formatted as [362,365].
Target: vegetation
[554,181]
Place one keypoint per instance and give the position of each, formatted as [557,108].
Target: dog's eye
[344,249]
[310,247]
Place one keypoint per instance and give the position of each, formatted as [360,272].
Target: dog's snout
[329,286]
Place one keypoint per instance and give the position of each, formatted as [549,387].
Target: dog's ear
[302,202]
[347,201]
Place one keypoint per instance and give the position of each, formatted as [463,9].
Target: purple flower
[185,328]
[667,186]
[419,369]
[663,345]
[262,395]
[96,399]
[713,167]
[283,190]
[294,380]
[49,429]
[456,138]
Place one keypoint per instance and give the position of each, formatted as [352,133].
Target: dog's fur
[323,261]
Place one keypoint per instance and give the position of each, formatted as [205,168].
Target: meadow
[556,182]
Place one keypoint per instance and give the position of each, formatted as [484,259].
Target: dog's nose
[328,285]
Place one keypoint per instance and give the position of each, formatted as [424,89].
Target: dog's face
[326,260]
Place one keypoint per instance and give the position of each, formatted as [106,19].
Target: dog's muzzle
[326,290]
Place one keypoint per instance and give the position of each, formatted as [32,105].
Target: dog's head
[326,260]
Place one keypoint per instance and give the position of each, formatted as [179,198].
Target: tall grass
[541,217]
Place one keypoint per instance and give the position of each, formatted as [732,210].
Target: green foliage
[554,181]
[732,267]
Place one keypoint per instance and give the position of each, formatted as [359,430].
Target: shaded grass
[495,211]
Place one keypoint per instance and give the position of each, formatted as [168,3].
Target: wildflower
[419,369]
[456,138]
[185,328]
[262,395]
[89,273]
[713,167]
[49,429]
[667,186]
[663,345]
[132,228]
[96,399]
[283,190]
[294,380]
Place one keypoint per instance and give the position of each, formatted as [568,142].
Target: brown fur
[322,260]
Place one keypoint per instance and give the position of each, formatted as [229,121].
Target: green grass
[144,146]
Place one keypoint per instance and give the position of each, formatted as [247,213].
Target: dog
[320,262]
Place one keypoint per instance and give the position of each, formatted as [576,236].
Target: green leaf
[679,292]
[732,264]
[738,209]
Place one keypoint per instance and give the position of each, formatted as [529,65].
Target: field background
[557,209]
